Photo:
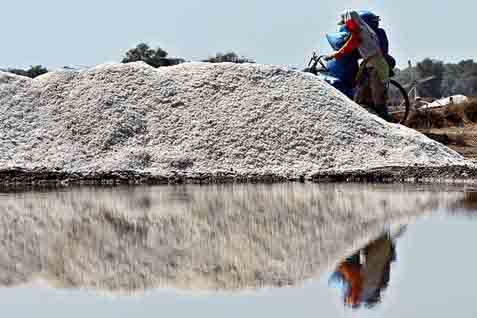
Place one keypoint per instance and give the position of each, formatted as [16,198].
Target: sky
[57,33]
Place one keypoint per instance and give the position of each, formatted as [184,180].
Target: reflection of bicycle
[397,101]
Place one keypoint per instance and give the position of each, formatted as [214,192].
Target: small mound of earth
[198,121]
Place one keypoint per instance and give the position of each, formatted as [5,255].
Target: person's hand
[329,57]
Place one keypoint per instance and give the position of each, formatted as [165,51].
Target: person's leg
[363,94]
[379,78]
[378,88]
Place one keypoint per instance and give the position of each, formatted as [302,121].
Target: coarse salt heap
[198,118]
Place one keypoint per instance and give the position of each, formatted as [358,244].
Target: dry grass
[471,110]
[457,115]
[454,125]
[426,120]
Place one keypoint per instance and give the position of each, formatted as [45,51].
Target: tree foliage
[451,78]
[230,57]
[154,57]
[460,78]
[32,72]
[428,68]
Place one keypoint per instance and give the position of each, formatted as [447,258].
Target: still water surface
[289,250]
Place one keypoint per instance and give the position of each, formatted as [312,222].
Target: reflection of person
[365,275]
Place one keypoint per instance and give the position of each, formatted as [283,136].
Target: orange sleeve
[353,277]
[353,42]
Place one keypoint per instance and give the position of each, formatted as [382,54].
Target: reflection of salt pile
[199,238]
[197,119]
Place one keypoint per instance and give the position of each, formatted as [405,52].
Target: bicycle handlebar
[315,59]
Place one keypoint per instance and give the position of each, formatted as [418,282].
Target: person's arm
[353,42]
[352,275]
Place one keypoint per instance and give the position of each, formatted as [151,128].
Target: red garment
[352,275]
[354,40]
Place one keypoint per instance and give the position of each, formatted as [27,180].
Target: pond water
[285,250]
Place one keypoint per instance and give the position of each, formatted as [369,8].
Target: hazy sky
[56,33]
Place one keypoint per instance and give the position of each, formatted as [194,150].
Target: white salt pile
[197,120]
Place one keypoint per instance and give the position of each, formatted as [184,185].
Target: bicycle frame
[319,59]
[313,63]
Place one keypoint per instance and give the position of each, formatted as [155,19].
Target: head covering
[370,18]
[343,18]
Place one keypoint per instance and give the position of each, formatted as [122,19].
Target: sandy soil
[463,140]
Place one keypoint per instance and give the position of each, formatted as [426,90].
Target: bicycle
[397,102]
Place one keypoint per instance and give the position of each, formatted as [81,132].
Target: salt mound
[197,120]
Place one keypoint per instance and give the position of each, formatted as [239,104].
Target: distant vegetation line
[449,78]
[32,72]
[142,52]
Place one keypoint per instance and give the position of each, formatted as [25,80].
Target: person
[366,274]
[374,22]
[375,66]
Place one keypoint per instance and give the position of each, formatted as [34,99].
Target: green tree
[455,78]
[460,78]
[32,72]
[405,76]
[429,67]
[154,57]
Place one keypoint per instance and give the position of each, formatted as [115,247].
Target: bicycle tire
[402,98]
[405,98]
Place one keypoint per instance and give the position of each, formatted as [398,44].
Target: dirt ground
[454,126]
[463,140]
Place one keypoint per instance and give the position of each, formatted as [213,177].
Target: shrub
[470,110]
[230,57]
[153,57]
[32,72]
[426,119]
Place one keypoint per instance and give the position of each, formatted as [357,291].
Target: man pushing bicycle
[375,65]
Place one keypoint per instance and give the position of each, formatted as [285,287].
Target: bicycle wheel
[398,102]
